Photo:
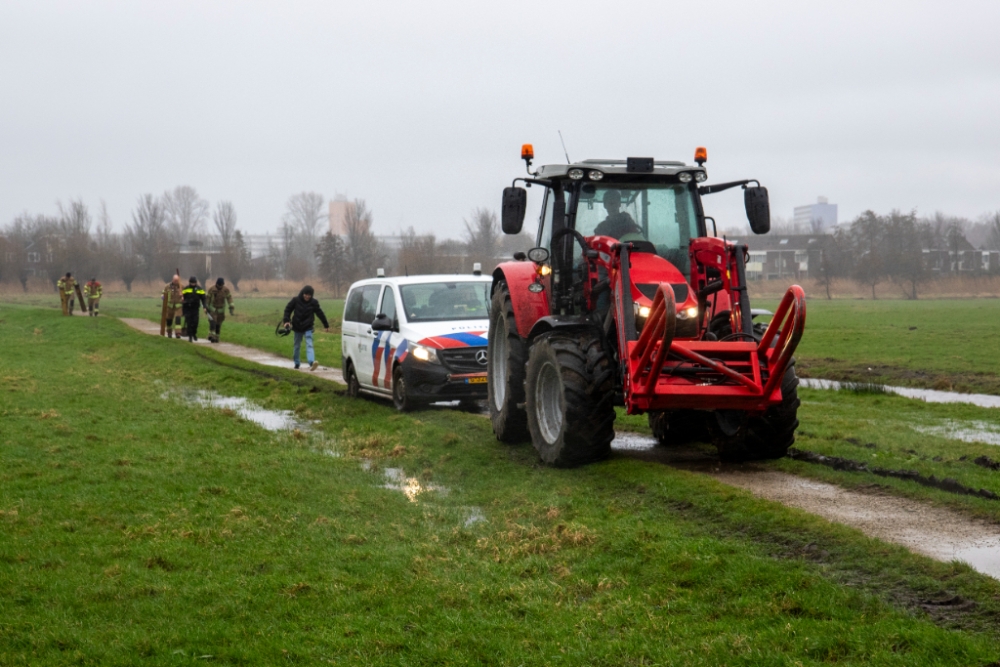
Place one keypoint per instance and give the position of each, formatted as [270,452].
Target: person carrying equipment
[300,315]
[92,292]
[194,296]
[173,301]
[218,295]
[67,288]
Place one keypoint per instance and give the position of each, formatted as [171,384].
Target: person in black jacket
[300,315]
[194,297]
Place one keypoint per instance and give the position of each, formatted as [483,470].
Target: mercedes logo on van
[481,357]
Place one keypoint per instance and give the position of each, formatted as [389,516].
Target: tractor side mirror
[758,209]
[381,323]
[515,201]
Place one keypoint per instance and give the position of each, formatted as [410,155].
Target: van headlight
[422,353]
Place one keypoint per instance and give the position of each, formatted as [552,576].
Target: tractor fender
[558,322]
[529,307]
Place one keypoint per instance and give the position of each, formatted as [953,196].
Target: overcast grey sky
[421,108]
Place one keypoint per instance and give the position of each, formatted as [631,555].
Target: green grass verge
[134,528]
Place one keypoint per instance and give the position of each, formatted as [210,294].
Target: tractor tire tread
[510,423]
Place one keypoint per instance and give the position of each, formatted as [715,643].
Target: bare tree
[418,254]
[993,236]
[482,235]
[225,222]
[330,260]
[363,251]
[185,213]
[868,241]
[305,214]
[148,235]
[19,237]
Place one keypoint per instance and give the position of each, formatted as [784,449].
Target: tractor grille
[680,291]
[463,359]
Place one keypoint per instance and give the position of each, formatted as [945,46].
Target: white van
[418,339]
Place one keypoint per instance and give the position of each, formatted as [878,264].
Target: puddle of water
[411,487]
[475,515]
[633,442]
[966,431]
[272,420]
[929,395]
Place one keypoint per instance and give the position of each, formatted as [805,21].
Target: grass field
[137,528]
[253,325]
[946,344]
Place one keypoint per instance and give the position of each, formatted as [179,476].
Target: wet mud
[941,534]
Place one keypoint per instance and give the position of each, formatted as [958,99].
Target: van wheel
[400,397]
[353,386]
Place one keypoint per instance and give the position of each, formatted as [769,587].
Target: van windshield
[438,302]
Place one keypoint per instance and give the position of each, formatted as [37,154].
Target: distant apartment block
[340,208]
[818,217]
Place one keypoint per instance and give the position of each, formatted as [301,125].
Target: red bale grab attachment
[672,374]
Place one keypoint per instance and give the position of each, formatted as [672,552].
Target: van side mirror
[515,202]
[758,209]
[381,323]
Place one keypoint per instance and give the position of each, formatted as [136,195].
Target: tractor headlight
[575,174]
[643,312]
[428,354]
[692,311]
[700,176]
[684,177]
[595,175]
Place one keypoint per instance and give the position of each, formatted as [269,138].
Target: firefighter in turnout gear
[92,293]
[194,297]
[67,287]
[218,295]
[173,295]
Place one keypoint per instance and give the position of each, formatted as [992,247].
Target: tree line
[180,228]
[902,249]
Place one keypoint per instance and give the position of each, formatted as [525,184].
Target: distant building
[340,208]
[818,217]
[776,257]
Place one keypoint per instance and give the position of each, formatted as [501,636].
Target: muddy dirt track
[935,532]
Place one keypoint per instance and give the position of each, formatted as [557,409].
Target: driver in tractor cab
[618,223]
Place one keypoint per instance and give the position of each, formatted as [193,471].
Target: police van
[418,339]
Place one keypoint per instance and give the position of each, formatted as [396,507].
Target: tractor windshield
[661,214]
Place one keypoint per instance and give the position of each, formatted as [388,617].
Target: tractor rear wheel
[678,427]
[740,437]
[570,398]
[505,371]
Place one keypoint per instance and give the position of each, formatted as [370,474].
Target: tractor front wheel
[740,437]
[505,371]
[570,398]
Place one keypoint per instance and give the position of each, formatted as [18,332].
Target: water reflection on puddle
[411,487]
[966,431]
[272,420]
[633,442]
[929,395]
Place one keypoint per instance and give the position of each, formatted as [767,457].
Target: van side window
[352,311]
[389,305]
[369,303]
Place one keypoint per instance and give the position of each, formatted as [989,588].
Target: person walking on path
[194,297]
[67,287]
[92,293]
[300,316]
[173,295]
[218,295]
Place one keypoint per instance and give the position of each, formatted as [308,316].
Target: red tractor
[627,300]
